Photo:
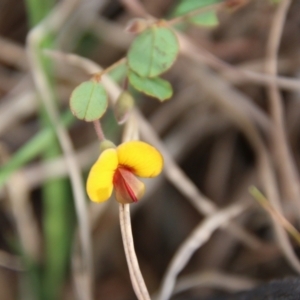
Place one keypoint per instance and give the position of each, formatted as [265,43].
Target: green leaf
[208,18]
[89,101]
[155,87]
[153,51]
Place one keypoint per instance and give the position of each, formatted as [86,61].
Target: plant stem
[137,279]
[34,147]
[99,131]
[98,75]
[263,201]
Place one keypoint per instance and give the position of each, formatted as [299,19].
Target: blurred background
[221,131]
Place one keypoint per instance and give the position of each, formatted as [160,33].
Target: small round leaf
[153,51]
[208,18]
[155,87]
[88,101]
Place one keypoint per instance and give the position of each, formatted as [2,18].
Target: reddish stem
[99,131]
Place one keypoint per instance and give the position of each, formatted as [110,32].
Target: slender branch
[215,279]
[111,67]
[22,211]
[13,54]
[275,214]
[136,8]
[176,176]
[194,241]
[283,157]
[208,81]
[131,132]
[132,262]
[99,131]
[202,56]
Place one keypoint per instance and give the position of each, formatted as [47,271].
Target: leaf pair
[152,53]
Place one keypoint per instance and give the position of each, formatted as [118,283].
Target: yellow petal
[141,158]
[99,184]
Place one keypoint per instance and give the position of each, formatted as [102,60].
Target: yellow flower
[117,167]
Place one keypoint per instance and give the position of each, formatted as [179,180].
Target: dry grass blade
[275,214]
[54,22]
[38,173]
[202,56]
[13,54]
[289,176]
[214,279]
[187,187]
[195,240]
[23,215]
[220,96]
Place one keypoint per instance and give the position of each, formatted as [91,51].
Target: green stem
[263,201]
[34,147]
[37,10]
[56,204]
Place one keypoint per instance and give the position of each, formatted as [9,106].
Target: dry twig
[214,279]
[194,241]
[283,158]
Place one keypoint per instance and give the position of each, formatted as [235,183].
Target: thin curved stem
[99,131]
[288,173]
[136,277]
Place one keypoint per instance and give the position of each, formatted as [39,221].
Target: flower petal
[143,159]
[128,188]
[99,184]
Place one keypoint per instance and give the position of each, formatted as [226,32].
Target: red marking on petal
[128,188]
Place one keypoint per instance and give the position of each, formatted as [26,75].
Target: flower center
[127,187]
